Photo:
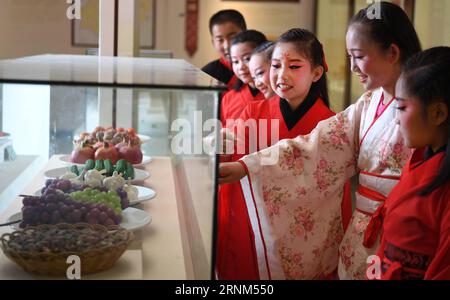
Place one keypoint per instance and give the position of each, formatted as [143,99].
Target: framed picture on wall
[85,32]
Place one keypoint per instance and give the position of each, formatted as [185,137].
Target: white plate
[145,160]
[139,175]
[132,219]
[144,138]
[144,194]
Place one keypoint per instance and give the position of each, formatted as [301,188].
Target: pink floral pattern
[347,254]
[303,224]
[326,174]
[393,157]
[292,263]
[337,137]
[302,193]
[353,254]
[275,197]
[293,160]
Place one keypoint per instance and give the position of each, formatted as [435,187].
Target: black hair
[426,78]
[266,48]
[254,38]
[308,44]
[388,24]
[227,15]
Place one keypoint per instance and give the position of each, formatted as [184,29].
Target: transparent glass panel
[46,102]
[177,121]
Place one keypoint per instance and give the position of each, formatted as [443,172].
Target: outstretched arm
[231,172]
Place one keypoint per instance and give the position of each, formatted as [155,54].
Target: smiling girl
[259,67]
[298,198]
[244,91]
[298,76]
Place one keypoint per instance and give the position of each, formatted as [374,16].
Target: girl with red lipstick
[415,241]
[244,91]
[298,76]
[298,196]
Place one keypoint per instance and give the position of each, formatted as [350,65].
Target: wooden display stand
[157,251]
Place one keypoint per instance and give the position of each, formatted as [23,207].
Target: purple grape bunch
[55,205]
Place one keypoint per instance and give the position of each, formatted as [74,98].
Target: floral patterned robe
[294,190]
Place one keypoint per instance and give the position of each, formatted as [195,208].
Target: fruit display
[62,239]
[44,249]
[105,167]
[108,143]
[95,179]
[64,202]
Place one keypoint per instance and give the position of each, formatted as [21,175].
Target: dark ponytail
[386,24]
[308,44]
[426,76]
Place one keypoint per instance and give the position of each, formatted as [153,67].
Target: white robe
[295,204]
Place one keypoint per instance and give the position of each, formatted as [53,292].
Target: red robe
[228,65]
[234,102]
[415,242]
[236,256]
[222,71]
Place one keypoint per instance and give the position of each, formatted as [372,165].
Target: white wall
[29,27]
[432,22]
[271,18]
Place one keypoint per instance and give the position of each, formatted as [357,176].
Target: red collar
[226,63]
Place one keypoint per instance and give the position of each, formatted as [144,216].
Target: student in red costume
[298,77]
[299,196]
[415,241]
[223,26]
[244,91]
[259,66]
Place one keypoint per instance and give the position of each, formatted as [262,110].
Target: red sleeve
[439,268]
[223,108]
[244,165]
[241,132]
[245,115]
[346,205]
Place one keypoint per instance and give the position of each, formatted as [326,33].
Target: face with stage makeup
[292,73]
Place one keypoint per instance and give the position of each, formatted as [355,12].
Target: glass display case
[49,101]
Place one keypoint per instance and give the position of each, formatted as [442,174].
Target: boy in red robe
[223,26]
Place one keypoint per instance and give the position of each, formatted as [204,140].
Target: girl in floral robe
[290,113]
[297,185]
